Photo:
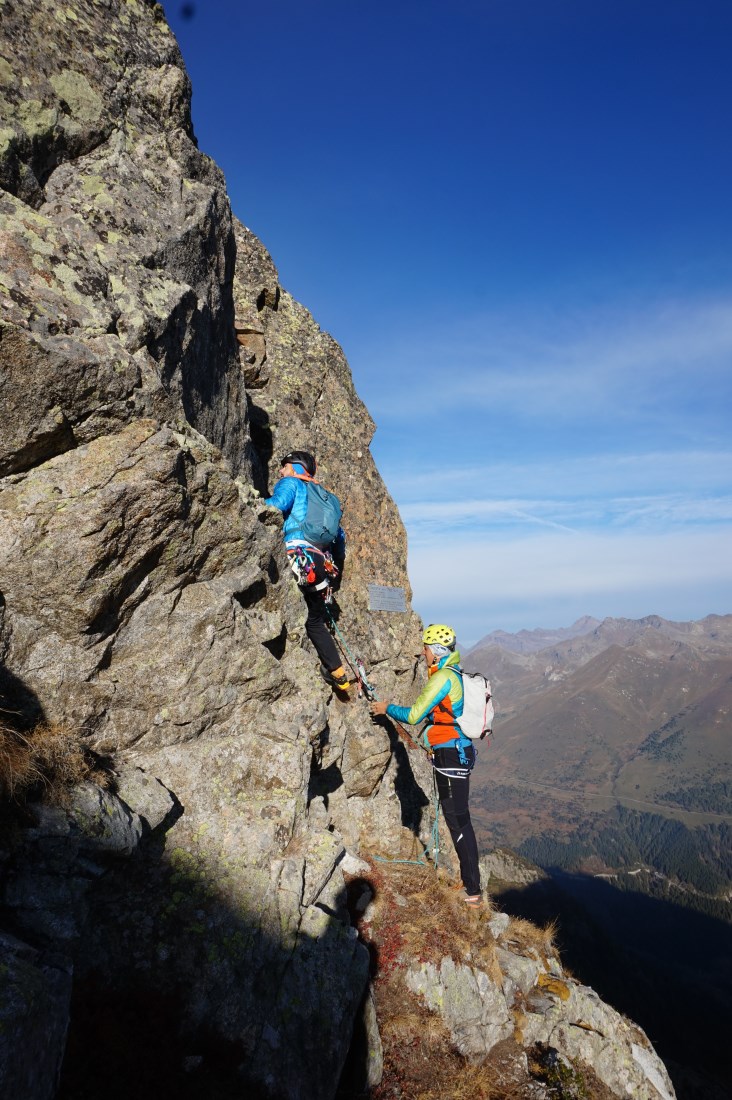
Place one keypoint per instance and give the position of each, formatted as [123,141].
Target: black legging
[454,795]
[316,627]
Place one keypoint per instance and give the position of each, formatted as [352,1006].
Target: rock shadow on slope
[659,963]
[185,988]
[412,799]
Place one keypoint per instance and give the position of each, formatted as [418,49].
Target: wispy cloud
[635,363]
[550,578]
[690,471]
[553,563]
[570,464]
[426,519]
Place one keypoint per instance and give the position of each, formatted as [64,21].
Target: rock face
[539,1005]
[152,370]
[34,1018]
[144,593]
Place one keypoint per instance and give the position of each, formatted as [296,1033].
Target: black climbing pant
[316,626]
[454,795]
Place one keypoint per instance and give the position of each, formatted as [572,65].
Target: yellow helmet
[439,634]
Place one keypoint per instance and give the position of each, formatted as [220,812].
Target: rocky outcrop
[144,592]
[498,989]
[502,865]
[152,370]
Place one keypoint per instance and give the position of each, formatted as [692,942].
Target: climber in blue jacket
[317,571]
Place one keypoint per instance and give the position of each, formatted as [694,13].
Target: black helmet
[303,457]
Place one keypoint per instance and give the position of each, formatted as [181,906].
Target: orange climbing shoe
[336,677]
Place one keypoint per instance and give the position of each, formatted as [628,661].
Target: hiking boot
[337,678]
[474,901]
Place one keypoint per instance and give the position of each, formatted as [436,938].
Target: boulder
[472,1007]
[34,1017]
[576,1022]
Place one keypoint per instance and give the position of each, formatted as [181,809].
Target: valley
[597,800]
[610,769]
[632,713]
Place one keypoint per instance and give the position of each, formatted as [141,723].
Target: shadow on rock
[19,704]
[184,988]
[412,798]
[647,957]
[262,441]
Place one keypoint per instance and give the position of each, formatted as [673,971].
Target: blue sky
[514,215]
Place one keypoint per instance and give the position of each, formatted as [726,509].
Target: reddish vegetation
[415,916]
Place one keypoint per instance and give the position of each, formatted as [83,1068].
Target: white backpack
[476,721]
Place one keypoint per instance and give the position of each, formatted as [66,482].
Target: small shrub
[18,769]
[44,762]
[529,937]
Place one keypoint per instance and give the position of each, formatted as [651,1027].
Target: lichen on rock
[146,598]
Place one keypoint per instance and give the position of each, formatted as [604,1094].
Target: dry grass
[45,761]
[18,770]
[420,1061]
[418,917]
[528,937]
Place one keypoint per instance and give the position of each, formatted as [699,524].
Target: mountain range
[614,707]
[610,767]
[623,712]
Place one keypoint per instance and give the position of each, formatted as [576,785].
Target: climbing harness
[308,563]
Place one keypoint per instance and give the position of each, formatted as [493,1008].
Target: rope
[360,673]
[353,661]
[357,667]
[435,838]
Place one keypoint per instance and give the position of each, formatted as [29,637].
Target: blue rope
[354,660]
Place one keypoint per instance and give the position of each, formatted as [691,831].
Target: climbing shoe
[337,678]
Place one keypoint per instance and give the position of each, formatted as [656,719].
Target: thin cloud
[547,567]
[583,476]
[425,518]
[536,582]
[636,364]
[602,482]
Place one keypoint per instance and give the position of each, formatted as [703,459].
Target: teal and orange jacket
[440,701]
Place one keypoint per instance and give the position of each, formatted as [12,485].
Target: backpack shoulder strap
[459,673]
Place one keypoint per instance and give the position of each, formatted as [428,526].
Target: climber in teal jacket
[440,701]
[453,754]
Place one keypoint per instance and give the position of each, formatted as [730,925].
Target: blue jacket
[290,495]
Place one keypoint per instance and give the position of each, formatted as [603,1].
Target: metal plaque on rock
[383,598]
